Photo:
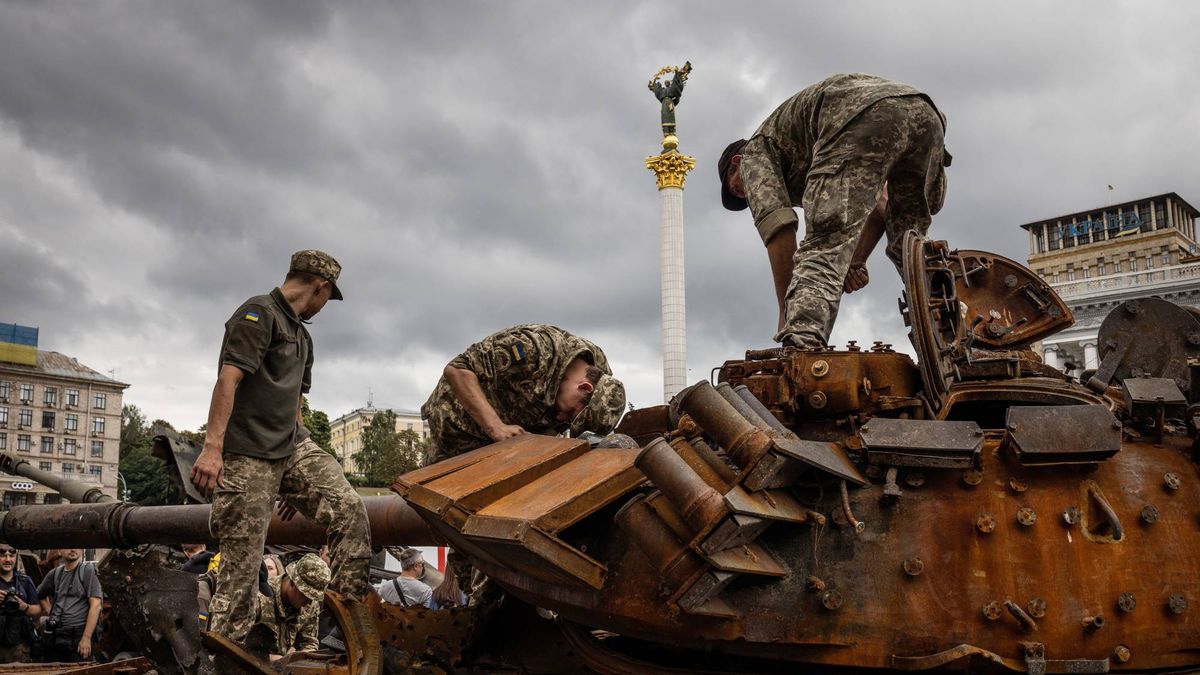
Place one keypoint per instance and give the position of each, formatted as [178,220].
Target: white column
[1091,356]
[1050,357]
[674,314]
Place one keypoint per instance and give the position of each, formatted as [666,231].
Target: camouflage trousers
[897,140]
[312,481]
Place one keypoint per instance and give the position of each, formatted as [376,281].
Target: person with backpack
[70,596]
[18,608]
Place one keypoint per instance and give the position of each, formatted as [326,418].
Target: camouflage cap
[604,409]
[319,263]
[311,576]
[728,199]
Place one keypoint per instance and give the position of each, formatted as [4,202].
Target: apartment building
[62,417]
[346,431]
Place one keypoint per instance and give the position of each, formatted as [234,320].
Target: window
[12,499]
[5,389]
[98,426]
[96,472]
[71,422]
[69,446]
[1055,278]
[1133,264]
[25,418]
[1087,273]
[27,393]
[99,401]
[97,448]
[72,397]
[47,445]
[24,441]
[50,395]
[1117,266]
[48,419]
[1149,261]
[1166,259]
[1070,275]
[46,466]
[4,416]
[68,469]
[3,441]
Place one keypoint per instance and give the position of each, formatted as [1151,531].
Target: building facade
[62,417]
[1099,258]
[345,433]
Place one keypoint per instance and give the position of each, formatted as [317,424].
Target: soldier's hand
[503,431]
[207,471]
[856,278]
[85,648]
[286,511]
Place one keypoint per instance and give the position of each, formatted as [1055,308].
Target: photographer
[18,607]
[74,588]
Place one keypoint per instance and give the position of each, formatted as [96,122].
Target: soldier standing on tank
[532,378]
[257,449]
[863,156]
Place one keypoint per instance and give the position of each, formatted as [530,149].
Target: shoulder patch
[518,352]
[251,316]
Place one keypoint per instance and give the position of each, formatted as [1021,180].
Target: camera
[51,624]
[11,604]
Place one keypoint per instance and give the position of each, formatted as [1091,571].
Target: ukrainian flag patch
[251,316]
[518,352]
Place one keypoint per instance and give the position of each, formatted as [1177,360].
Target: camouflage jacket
[519,370]
[787,146]
[292,627]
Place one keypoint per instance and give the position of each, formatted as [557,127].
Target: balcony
[1142,282]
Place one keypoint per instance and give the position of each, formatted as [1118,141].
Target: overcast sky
[478,165]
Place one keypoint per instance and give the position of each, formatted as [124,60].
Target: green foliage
[385,453]
[145,475]
[317,423]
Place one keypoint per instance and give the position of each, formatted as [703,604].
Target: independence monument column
[670,168]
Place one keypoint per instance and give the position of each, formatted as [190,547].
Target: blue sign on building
[1114,225]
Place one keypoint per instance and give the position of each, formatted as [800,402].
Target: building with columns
[345,432]
[1099,258]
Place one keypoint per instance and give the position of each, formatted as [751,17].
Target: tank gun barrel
[71,490]
[123,525]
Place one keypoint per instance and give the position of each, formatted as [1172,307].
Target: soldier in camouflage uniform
[256,448]
[291,615]
[532,378]
[864,157]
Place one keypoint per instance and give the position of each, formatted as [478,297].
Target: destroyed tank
[818,509]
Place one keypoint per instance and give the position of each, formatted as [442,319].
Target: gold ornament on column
[671,167]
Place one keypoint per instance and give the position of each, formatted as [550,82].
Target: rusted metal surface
[1006,305]
[135,666]
[1075,434]
[1147,337]
[938,444]
[119,525]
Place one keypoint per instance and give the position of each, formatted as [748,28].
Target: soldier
[291,613]
[256,447]
[863,156]
[526,379]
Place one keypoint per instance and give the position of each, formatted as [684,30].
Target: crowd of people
[54,621]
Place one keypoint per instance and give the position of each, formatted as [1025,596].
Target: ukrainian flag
[18,344]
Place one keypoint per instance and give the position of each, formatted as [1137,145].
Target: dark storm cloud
[475,165]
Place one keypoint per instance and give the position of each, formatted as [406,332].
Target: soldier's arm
[93,616]
[873,230]
[780,251]
[306,636]
[206,473]
[465,385]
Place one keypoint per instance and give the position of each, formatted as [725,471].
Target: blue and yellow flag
[18,344]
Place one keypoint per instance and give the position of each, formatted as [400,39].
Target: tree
[317,423]
[411,455]
[145,475]
[380,443]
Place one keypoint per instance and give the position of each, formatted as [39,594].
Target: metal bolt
[1193,338]
[992,610]
[815,583]
[1177,604]
[986,523]
[1171,480]
[1018,485]
[1036,608]
[914,479]
[973,477]
[852,346]
[831,600]
[913,567]
[1126,602]
[1093,622]
[817,399]
[873,471]
[1010,280]
[820,368]
[1149,514]
[1026,516]
[1071,515]
[1121,654]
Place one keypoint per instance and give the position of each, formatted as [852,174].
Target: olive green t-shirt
[266,339]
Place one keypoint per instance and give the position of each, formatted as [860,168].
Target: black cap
[728,199]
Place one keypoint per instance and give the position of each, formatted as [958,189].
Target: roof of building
[1173,195]
[371,410]
[55,364]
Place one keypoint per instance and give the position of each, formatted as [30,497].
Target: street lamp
[124,490]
